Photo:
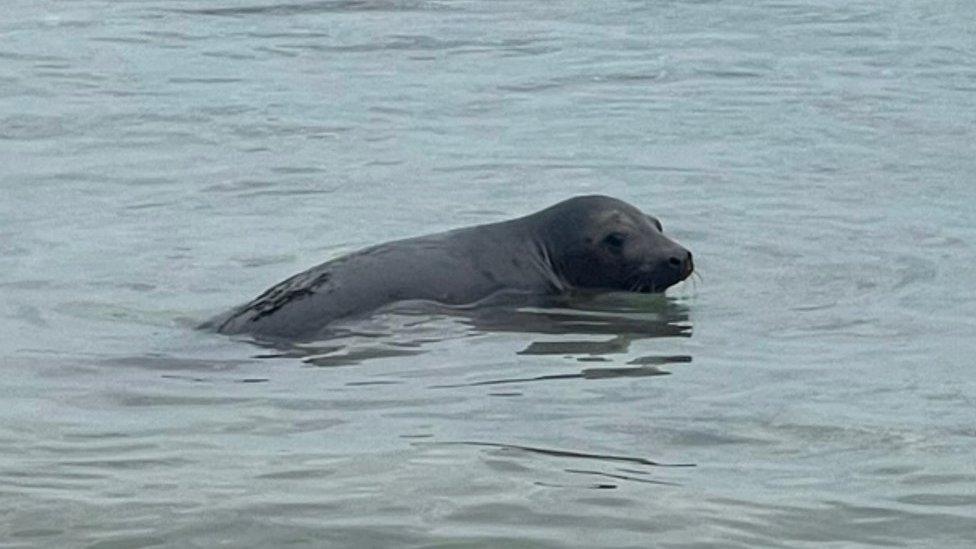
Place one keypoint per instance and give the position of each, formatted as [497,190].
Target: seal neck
[549,270]
[542,261]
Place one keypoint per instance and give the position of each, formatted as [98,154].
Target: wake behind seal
[587,242]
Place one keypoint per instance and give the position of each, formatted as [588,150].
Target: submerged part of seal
[587,242]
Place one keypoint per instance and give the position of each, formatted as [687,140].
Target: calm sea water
[163,161]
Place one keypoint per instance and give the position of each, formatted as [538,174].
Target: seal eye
[615,241]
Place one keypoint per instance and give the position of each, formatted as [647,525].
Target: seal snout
[666,270]
[682,263]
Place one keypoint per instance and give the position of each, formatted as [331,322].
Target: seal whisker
[638,282]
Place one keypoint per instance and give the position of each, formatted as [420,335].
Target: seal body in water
[586,242]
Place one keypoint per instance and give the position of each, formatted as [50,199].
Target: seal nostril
[683,263]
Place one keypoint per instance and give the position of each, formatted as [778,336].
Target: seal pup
[592,242]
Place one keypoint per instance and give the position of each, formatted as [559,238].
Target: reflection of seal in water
[587,242]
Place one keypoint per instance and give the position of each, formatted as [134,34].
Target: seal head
[601,243]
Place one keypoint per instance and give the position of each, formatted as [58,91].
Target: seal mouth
[645,289]
[652,284]
[644,286]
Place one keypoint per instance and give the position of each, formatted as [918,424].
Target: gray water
[163,161]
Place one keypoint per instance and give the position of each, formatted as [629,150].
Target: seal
[591,242]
